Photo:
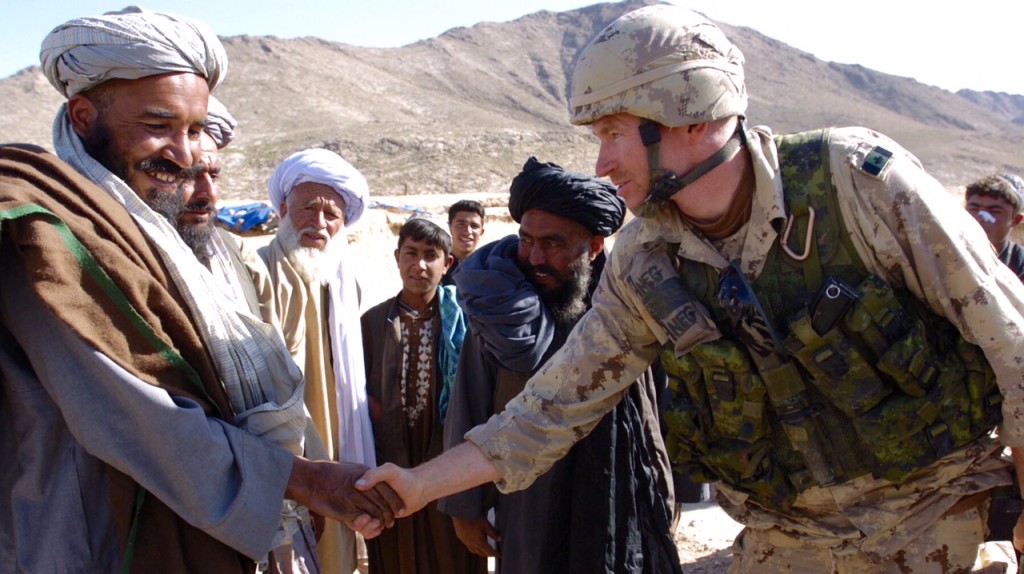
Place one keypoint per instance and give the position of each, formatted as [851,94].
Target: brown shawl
[174,360]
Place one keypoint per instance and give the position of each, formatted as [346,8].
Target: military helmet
[663,63]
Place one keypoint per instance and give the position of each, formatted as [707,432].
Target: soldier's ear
[83,113]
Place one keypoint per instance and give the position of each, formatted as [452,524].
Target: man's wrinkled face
[995,215]
[145,132]
[421,266]
[555,255]
[317,213]
[466,228]
[195,221]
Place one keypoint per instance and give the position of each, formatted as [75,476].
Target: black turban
[586,200]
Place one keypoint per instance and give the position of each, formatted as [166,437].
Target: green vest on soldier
[824,372]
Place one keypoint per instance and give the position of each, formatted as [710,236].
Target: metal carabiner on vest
[807,239]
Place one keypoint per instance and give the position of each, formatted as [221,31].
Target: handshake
[369,500]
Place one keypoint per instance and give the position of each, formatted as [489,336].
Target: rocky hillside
[463,111]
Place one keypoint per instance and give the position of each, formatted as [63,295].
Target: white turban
[128,45]
[220,125]
[326,168]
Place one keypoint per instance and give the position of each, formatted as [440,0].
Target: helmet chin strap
[664,184]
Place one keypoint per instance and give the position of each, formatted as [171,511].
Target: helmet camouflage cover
[662,63]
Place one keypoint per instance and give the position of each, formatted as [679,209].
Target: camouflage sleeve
[606,352]
[911,231]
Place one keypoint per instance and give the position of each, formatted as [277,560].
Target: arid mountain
[463,111]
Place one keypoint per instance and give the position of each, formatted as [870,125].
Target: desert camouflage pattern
[663,63]
[905,227]
[949,546]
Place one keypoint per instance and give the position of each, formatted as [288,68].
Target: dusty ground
[703,537]
[704,532]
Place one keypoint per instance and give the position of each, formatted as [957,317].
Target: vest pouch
[911,361]
[897,437]
[876,317]
[685,414]
[735,395]
[986,400]
[840,371]
[752,468]
[953,404]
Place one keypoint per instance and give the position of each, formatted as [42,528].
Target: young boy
[411,345]
[996,202]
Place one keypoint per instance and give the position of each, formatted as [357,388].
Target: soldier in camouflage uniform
[842,339]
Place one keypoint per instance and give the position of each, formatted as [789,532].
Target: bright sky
[978,45]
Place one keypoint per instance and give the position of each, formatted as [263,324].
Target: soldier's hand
[401,481]
[474,533]
[328,488]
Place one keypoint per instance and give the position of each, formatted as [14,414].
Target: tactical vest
[869,381]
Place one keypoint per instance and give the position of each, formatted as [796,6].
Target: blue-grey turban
[220,125]
[128,45]
[586,200]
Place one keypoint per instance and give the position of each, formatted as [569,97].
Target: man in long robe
[148,427]
[317,193]
[605,507]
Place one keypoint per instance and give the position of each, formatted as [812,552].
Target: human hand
[474,533]
[401,481]
[327,488]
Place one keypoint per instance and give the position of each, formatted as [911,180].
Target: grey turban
[325,167]
[1016,185]
[220,125]
[128,45]
[586,200]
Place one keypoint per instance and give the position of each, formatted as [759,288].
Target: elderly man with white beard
[316,193]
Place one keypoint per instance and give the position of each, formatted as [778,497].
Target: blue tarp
[248,217]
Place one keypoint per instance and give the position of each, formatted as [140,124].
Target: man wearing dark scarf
[605,506]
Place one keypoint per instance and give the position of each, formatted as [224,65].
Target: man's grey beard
[568,302]
[198,238]
[312,265]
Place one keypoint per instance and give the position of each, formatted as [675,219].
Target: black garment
[1012,256]
[603,508]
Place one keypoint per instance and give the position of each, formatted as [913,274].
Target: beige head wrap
[129,44]
[662,63]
